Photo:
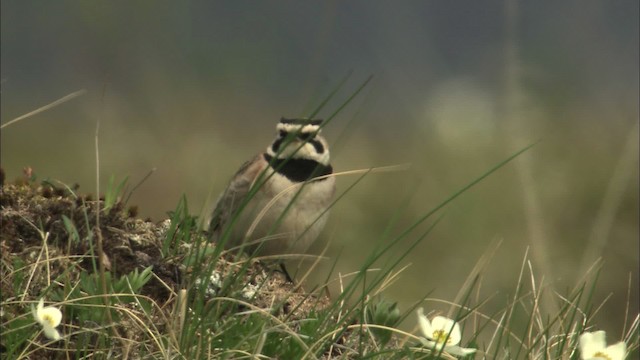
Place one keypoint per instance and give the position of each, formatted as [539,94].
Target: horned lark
[277,203]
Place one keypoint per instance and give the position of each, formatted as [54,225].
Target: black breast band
[299,170]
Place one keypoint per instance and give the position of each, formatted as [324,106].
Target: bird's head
[300,139]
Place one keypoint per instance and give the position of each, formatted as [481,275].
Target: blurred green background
[194,88]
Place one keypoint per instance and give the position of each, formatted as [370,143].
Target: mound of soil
[53,223]
[33,216]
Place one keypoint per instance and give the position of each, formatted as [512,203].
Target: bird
[278,202]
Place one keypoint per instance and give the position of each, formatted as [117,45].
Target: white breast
[263,222]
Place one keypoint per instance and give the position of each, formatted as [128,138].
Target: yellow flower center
[601,355]
[440,336]
[48,319]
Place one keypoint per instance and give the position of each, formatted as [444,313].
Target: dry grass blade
[482,262]
[389,279]
[62,100]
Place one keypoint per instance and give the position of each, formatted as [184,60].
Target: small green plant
[182,226]
[87,298]
[114,193]
[385,314]
[70,227]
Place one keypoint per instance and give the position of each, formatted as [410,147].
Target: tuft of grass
[114,193]
[228,306]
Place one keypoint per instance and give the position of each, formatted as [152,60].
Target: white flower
[215,283]
[249,291]
[594,346]
[48,317]
[442,332]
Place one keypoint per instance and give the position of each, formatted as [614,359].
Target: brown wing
[232,198]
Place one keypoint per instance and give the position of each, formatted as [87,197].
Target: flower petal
[51,333]
[38,311]
[591,343]
[617,351]
[459,351]
[448,326]
[425,324]
[431,345]
[51,316]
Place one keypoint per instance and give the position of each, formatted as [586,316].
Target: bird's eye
[283,133]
